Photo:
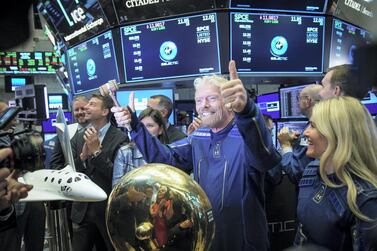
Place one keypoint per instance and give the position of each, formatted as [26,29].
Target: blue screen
[292,126]
[269,104]
[16,82]
[317,6]
[370,102]
[48,126]
[141,99]
[263,43]
[92,63]
[345,38]
[186,46]
[55,101]
[290,101]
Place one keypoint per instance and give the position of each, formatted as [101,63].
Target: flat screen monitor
[345,39]
[181,47]
[274,134]
[131,11]
[142,96]
[12,82]
[275,43]
[39,62]
[311,6]
[74,20]
[49,136]
[57,100]
[48,126]
[269,104]
[370,102]
[292,125]
[290,101]
[92,63]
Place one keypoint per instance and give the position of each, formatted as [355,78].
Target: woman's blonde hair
[352,144]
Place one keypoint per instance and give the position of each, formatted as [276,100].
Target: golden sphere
[159,207]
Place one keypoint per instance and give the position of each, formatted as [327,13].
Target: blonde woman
[337,204]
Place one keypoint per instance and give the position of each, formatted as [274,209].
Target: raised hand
[286,137]
[233,92]
[195,124]
[92,140]
[122,115]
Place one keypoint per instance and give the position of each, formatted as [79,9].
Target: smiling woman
[340,198]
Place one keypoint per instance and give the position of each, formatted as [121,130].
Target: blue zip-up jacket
[230,167]
[294,163]
[325,218]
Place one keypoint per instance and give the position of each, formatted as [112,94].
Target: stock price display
[29,62]
[265,43]
[179,47]
[345,39]
[92,63]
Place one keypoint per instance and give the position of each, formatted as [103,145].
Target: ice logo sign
[279,46]
[91,67]
[168,51]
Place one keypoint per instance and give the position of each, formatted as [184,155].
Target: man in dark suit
[164,105]
[94,152]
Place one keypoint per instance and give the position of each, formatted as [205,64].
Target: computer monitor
[49,136]
[37,62]
[370,102]
[92,63]
[48,126]
[142,96]
[56,100]
[269,104]
[274,134]
[172,48]
[12,82]
[290,101]
[311,6]
[75,21]
[293,125]
[345,39]
[276,43]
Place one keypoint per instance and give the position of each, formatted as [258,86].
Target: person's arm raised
[123,115]
[233,92]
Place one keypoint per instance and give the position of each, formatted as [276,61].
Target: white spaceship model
[65,184]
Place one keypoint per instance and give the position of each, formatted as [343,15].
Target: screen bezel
[266,94]
[331,35]
[64,101]
[175,76]
[281,10]
[280,101]
[8,82]
[284,73]
[69,67]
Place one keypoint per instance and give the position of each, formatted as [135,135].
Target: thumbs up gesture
[233,92]
[123,115]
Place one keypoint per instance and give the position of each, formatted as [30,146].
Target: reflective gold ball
[159,207]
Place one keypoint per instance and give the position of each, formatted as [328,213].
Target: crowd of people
[228,150]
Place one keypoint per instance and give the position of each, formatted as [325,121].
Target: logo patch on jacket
[319,195]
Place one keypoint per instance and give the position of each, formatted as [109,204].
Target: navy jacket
[325,218]
[230,167]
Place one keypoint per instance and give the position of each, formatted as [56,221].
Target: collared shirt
[102,132]
[80,127]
